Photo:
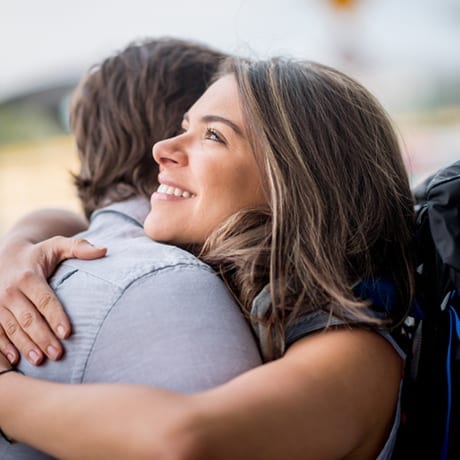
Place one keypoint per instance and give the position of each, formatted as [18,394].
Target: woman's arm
[45,223]
[332,396]
[27,304]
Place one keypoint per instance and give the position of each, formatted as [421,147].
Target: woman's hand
[31,317]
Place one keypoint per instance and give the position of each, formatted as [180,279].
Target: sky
[392,40]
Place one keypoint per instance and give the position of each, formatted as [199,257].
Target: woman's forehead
[221,97]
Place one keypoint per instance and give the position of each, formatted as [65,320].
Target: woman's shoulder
[322,320]
[350,367]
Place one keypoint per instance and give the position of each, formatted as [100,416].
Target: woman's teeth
[174,191]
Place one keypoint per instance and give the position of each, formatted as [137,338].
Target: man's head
[126,104]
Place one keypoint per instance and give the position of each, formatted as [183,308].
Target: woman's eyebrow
[218,118]
[210,118]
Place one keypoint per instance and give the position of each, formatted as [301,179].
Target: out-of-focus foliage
[35,115]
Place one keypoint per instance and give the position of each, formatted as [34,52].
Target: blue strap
[380,291]
[454,328]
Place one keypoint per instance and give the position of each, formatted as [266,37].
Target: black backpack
[430,422]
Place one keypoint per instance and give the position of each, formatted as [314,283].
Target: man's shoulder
[129,259]
[130,253]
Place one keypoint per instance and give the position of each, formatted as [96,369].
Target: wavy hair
[341,209]
[126,104]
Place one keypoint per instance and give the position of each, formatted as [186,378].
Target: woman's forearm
[45,223]
[318,401]
[106,421]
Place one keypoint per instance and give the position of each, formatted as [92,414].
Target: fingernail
[95,246]
[52,352]
[11,357]
[34,356]
[61,331]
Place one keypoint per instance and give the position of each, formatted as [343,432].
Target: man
[146,313]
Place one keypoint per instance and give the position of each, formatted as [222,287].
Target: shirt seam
[152,273]
[123,286]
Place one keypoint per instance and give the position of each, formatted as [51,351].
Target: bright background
[407,52]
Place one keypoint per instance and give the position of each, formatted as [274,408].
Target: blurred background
[407,53]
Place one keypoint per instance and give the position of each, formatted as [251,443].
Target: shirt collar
[135,208]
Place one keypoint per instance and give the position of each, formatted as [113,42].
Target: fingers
[7,349]
[36,294]
[82,249]
[22,325]
[13,332]
[65,248]
[33,285]
[31,316]
[42,329]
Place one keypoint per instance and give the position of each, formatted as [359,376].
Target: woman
[287,177]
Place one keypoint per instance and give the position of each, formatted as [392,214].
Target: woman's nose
[169,152]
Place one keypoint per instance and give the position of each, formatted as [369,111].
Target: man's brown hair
[126,104]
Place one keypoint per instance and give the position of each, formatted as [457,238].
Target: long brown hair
[340,205]
[126,104]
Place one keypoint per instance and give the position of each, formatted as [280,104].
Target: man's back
[146,313]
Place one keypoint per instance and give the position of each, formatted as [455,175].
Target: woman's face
[207,173]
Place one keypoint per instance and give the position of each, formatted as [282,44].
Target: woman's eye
[213,135]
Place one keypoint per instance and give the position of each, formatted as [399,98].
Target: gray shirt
[146,313]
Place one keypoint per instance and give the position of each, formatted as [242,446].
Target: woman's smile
[168,192]
[212,153]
